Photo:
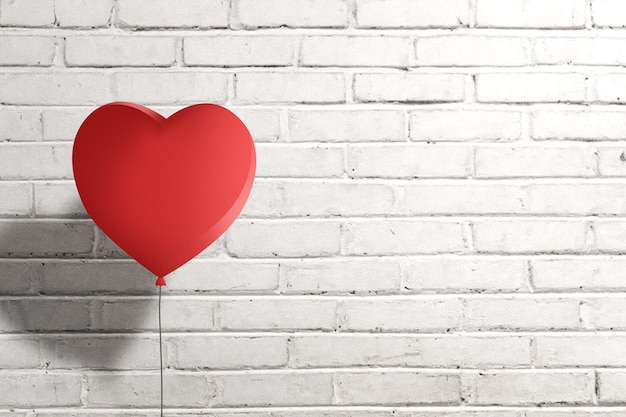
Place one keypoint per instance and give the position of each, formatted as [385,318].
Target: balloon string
[161,350]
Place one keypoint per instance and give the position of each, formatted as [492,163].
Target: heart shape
[163,189]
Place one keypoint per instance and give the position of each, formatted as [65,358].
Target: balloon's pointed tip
[160,282]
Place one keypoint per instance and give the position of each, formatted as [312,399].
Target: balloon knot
[160,282]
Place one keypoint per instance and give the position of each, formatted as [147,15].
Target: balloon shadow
[71,299]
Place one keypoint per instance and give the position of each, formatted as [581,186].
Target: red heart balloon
[163,189]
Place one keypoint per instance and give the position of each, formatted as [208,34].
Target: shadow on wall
[70,291]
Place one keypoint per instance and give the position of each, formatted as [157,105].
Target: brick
[59,199]
[292,13]
[530,236]
[466,125]
[317,161]
[275,389]
[608,13]
[580,350]
[355,51]
[340,276]
[35,161]
[346,126]
[266,200]
[83,13]
[504,314]
[531,14]
[576,199]
[461,198]
[603,313]
[409,161]
[283,238]
[20,124]
[578,125]
[277,313]
[228,276]
[170,87]
[533,387]
[29,13]
[469,51]
[611,161]
[611,386]
[31,315]
[45,238]
[412,13]
[19,353]
[229,352]
[586,274]
[168,13]
[17,277]
[123,390]
[140,314]
[120,51]
[239,51]
[530,88]
[397,388]
[526,161]
[607,88]
[39,389]
[312,351]
[579,51]
[16,199]
[401,314]
[61,124]
[466,275]
[27,50]
[337,199]
[279,87]
[263,124]
[106,248]
[607,236]
[409,87]
[101,352]
[397,237]
[55,88]
[108,277]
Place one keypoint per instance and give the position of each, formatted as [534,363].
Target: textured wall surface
[436,228]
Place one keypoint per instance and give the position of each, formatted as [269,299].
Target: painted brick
[235,51]
[578,125]
[470,50]
[27,13]
[503,314]
[532,388]
[53,390]
[611,386]
[35,161]
[168,13]
[292,13]
[411,87]
[61,124]
[279,87]
[531,14]
[19,353]
[83,13]
[611,161]
[346,126]
[412,13]
[27,50]
[586,274]
[20,124]
[395,388]
[119,51]
[340,276]
[17,199]
[59,199]
[401,314]
[355,51]
[607,236]
[468,125]
[608,13]
[25,238]
[33,315]
[580,351]
[263,124]
[544,161]
[579,51]
[278,160]
[603,313]
[462,274]
[17,277]
[530,88]
[533,236]
[276,313]
[283,238]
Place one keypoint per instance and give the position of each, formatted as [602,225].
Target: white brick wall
[436,228]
